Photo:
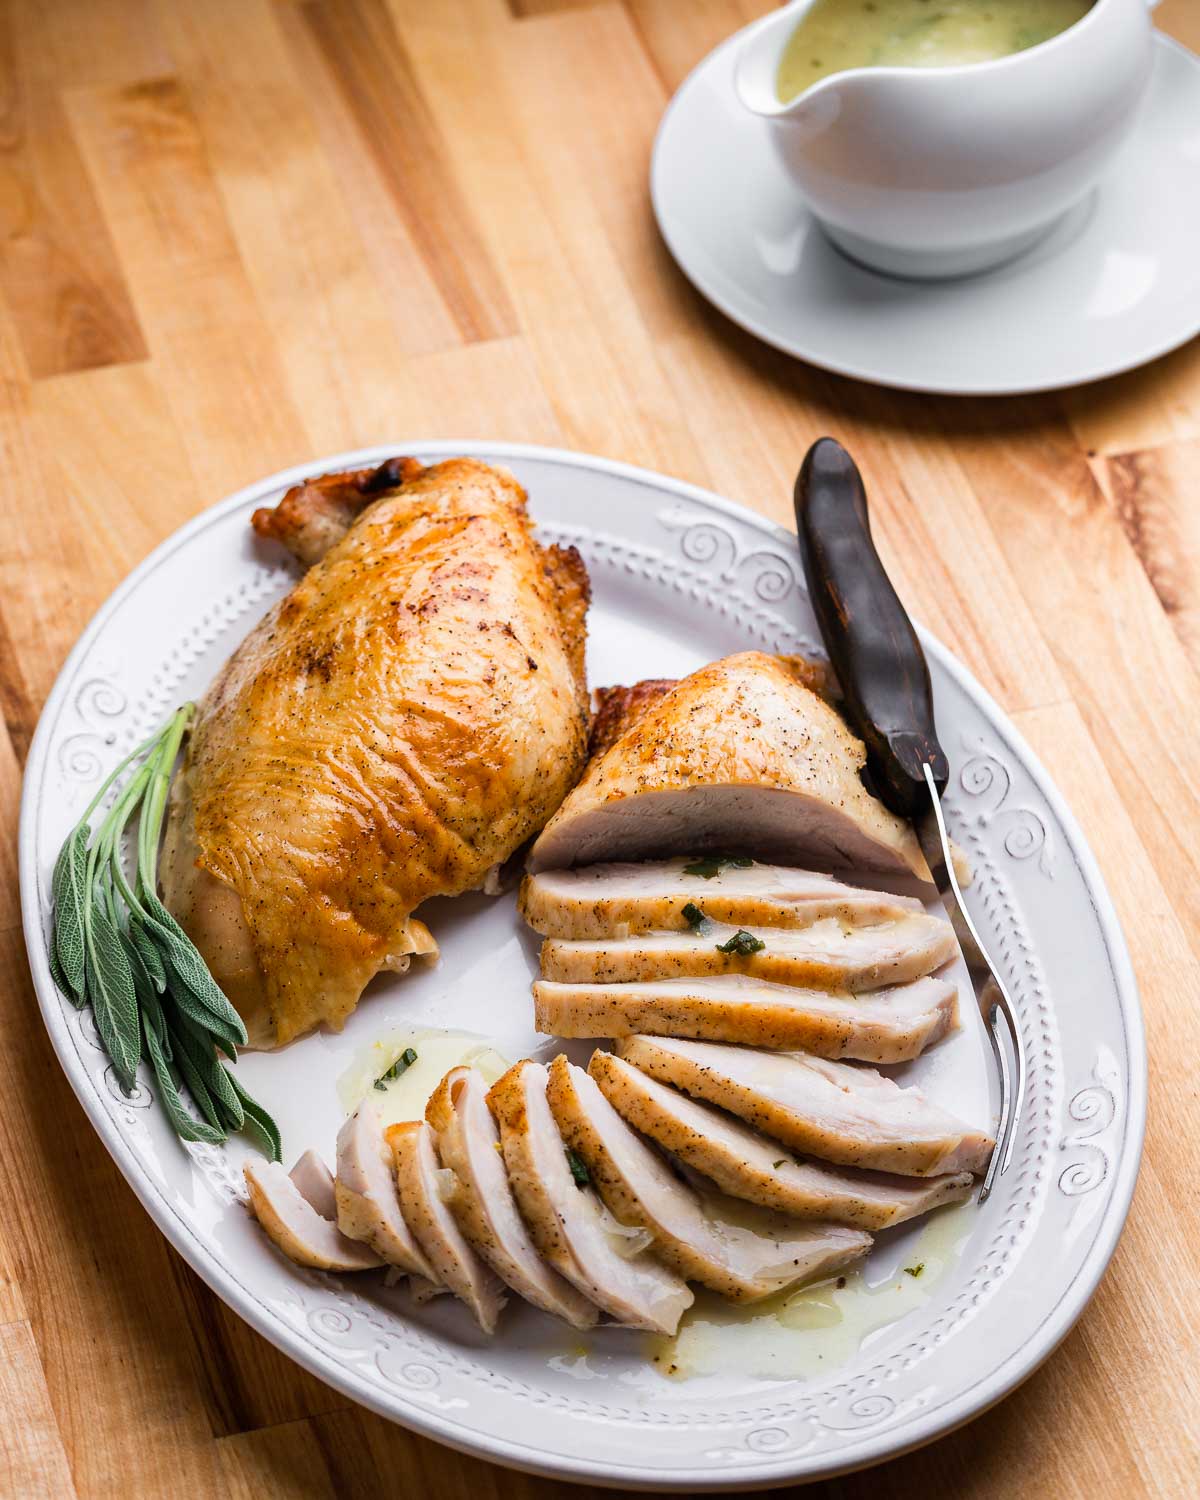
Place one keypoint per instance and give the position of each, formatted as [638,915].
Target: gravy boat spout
[944,171]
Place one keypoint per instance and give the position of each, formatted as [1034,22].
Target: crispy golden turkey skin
[394,728]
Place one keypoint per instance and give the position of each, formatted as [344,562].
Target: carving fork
[889,704]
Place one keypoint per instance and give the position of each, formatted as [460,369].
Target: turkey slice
[455,1263]
[748,1165]
[565,1217]
[883,1026]
[702,1241]
[482,1201]
[295,1226]
[852,1115]
[314,1182]
[614,900]
[368,1205]
[825,955]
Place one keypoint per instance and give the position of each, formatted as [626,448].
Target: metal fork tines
[995,1004]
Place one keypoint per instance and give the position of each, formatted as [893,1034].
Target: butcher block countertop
[239,234]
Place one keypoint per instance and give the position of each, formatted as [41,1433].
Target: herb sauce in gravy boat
[942,171]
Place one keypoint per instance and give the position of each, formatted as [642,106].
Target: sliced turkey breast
[748,1165]
[314,1182]
[482,1201]
[454,1262]
[825,955]
[883,1026]
[296,1227]
[603,901]
[368,1205]
[839,1112]
[742,756]
[702,1241]
[566,1219]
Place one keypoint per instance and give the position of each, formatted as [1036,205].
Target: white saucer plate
[680,577]
[1114,284]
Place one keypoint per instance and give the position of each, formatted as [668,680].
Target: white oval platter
[679,577]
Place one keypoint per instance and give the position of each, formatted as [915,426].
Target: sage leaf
[258,1120]
[114,999]
[161,915]
[182,1000]
[149,954]
[742,943]
[198,1048]
[211,996]
[141,978]
[185,1126]
[711,865]
[152,1011]
[60,979]
[578,1168]
[401,1065]
[184,964]
[195,1086]
[69,889]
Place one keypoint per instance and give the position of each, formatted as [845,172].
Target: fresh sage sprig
[117,948]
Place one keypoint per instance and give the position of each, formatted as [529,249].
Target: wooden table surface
[237,234]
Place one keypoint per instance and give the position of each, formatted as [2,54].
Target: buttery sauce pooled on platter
[404,1097]
[805,1334]
[834,35]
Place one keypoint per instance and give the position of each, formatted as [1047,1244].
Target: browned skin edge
[349,492]
[617,709]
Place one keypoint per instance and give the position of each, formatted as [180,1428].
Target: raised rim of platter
[967,1404]
[760,329]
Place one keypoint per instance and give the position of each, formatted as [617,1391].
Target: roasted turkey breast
[392,730]
[740,756]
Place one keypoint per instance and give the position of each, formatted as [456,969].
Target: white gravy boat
[932,172]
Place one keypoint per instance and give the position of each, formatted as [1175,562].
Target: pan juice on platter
[835,35]
[806,1334]
[399,1089]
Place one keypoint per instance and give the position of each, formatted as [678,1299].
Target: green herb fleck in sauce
[578,1168]
[401,1065]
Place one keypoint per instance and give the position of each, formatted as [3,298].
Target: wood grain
[367,64]
[59,272]
[33,1462]
[238,235]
